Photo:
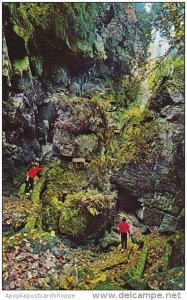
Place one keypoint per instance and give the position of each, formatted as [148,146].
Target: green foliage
[34,216]
[169,18]
[136,22]
[22,190]
[21,65]
[33,13]
[80,17]
[132,143]
[21,24]
[23,28]
[78,23]
[141,264]
[176,280]
[101,164]
[143,29]
[123,91]
[61,179]
[37,63]
[127,137]
[72,222]
[82,209]
[54,179]
[85,272]
[51,213]
[91,201]
[172,68]
[136,137]
[132,87]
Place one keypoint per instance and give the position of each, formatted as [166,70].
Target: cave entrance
[127,202]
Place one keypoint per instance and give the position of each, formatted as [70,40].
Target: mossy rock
[21,65]
[136,284]
[168,225]
[51,214]
[84,213]
[35,196]
[109,241]
[35,217]
[72,223]
[24,31]
[80,46]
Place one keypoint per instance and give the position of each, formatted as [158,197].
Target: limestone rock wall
[157,182]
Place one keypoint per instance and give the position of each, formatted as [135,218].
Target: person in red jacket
[31,174]
[124,229]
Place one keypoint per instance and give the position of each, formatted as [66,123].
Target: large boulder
[168,225]
[65,144]
[75,129]
[150,217]
[163,202]
[86,213]
[109,240]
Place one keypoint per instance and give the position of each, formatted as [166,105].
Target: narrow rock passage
[84,97]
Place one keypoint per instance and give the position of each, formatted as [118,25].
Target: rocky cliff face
[79,56]
[45,73]
[39,61]
[157,182]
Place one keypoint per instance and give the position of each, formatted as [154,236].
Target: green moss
[141,264]
[84,47]
[31,223]
[62,179]
[72,223]
[21,65]
[171,68]
[34,217]
[90,201]
[166,257]
[22,190]
[51,212]
[136,284]
[25,16]
[37,63]
[135,139]
[23,30]
[35,196]
[84,212]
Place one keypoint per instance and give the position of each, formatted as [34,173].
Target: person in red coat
[31,174]
[124,229]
